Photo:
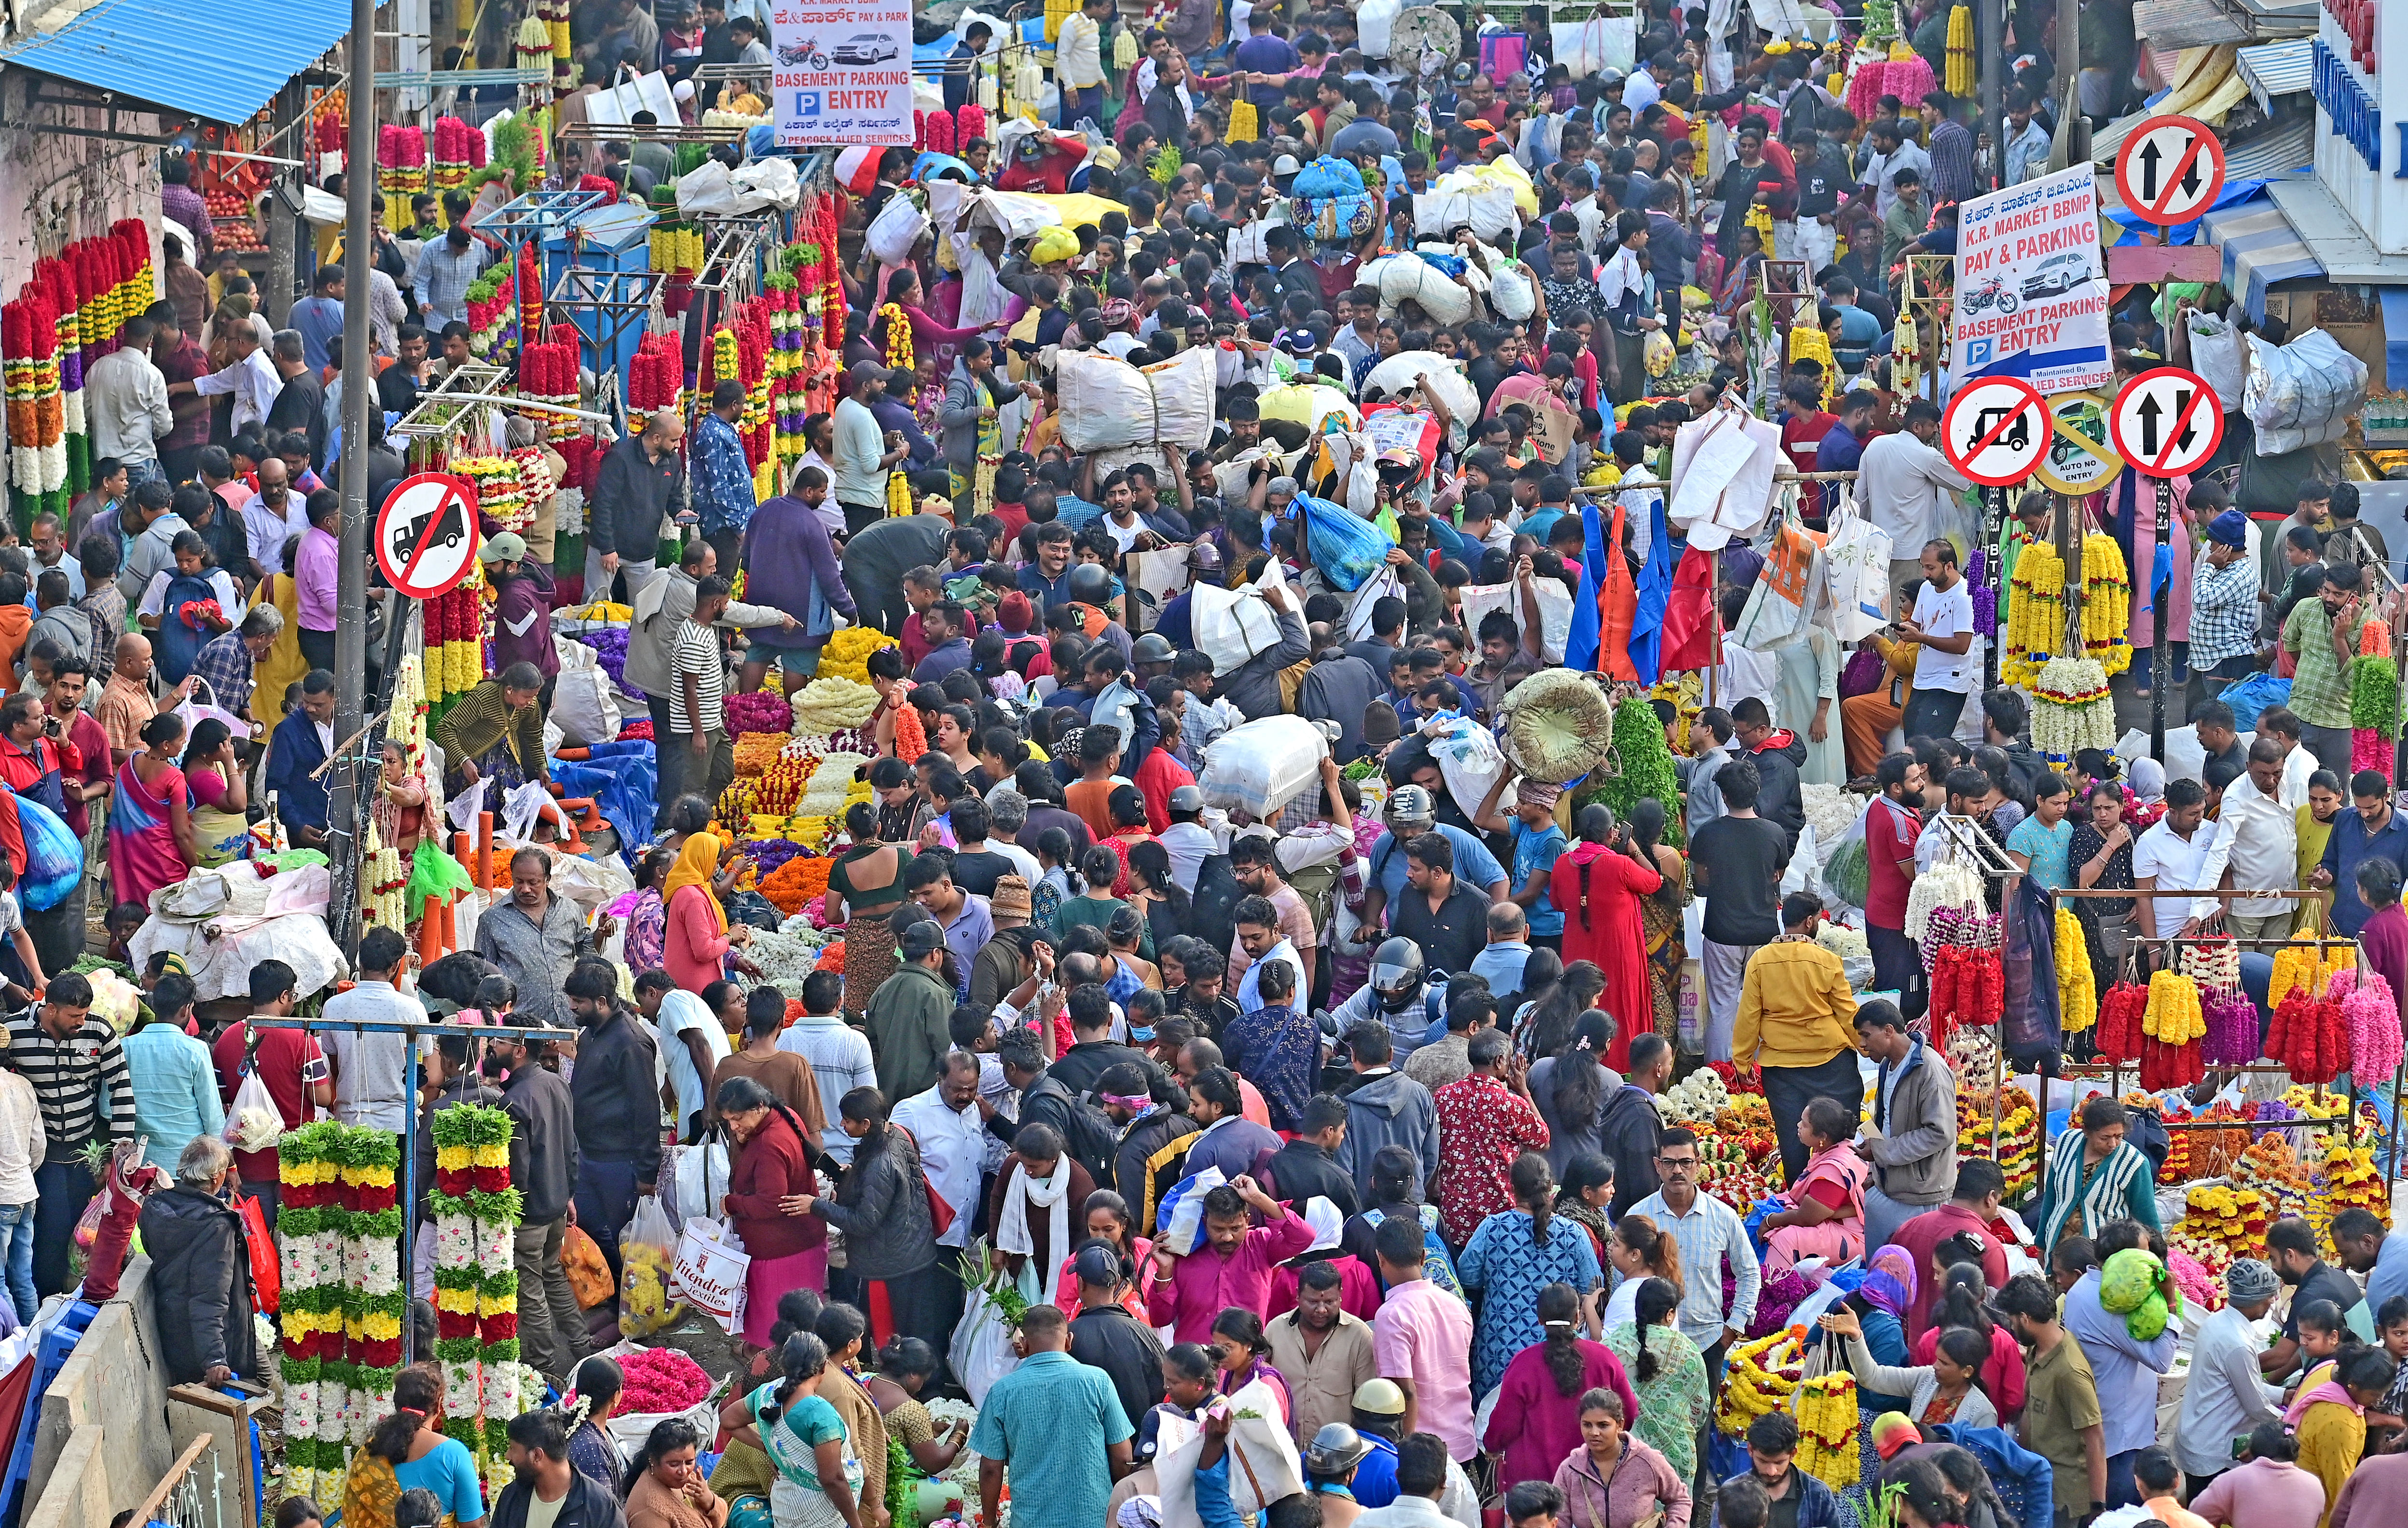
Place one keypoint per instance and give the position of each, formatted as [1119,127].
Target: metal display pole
[2161,612]
[344,803]
[413,1032]
[1994,567]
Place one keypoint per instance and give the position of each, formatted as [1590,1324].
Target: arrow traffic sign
[2170,171]
[2075,463]
[427,533]
[2166,423]
[1995,429]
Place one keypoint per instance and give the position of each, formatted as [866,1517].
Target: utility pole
[2072,145]
[1990,50]
[344,815]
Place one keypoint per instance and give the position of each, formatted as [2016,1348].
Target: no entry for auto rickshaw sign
[427,533]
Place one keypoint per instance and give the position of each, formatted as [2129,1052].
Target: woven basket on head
[1558,725]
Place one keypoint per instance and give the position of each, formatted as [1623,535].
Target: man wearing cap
[521,608]
[2226,1394]
[1043,166]
[863,452]
[908,1013]
[2224,603]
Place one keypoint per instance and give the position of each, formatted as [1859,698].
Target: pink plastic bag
[1502,53]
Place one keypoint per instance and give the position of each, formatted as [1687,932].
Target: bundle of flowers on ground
[476,1214]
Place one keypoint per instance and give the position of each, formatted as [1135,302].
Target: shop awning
[2328,228]
[2275,69]
[218,58]
[2260,246]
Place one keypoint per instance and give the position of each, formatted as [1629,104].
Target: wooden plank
[2151,263]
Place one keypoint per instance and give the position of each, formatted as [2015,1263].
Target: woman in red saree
[1596,884]
[1825,1217]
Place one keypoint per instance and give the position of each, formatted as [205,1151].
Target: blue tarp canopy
[218,58]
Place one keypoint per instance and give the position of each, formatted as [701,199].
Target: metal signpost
[2166,424]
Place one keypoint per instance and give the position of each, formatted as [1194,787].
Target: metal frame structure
[622,297]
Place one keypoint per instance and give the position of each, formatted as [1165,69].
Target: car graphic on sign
[865,47]
[2056,273]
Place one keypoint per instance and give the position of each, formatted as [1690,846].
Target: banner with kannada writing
[2031,285]
[843,73]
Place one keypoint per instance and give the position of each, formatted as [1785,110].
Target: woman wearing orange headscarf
[697,937]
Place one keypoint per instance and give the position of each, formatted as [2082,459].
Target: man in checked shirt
[78,1070]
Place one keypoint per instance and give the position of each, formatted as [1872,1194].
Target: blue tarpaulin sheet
[623,779]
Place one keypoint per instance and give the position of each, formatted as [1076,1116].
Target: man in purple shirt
[790,564]
[179,360]
[178,200]
[314,577]
[1262,53]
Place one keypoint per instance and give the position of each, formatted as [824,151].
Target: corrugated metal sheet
[218,58]
[2328,228]
[2276,69]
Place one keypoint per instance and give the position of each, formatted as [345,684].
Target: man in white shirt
[1900,480]
[2277,722]
[1945,670]
[1079,62]
[1892,151]
[2226,1396]
[2183,853]
[2265,834]
[249,376]
[1187,840]
[126,401]
[690,1038]
[838,1053]
[949,1123]
[859,451]
[1646,88]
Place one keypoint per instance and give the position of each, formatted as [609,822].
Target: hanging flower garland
[898,338]
[2172,1028]
[1986,599]
[2072,709]
[476,1213]
[2120,1013]
[1946,884]
[2372,1014]
[2106,602]
[2077,990]
[1763,1375]
[2035,614]
[1828,1419]
[310,1313]
[374,1304]
[2308,1037]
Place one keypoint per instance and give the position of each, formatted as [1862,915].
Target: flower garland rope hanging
[2035,614]
[2106,602]
[898,338]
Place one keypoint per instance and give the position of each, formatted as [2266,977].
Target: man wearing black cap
[1104,1336]
[908,1013]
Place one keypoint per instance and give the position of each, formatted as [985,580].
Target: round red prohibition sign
[2170,170]
[427,533]
[1996,430]
[2166,423]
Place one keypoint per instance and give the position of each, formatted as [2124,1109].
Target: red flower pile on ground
[660,1379]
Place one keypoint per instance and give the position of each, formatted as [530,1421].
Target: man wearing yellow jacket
[1797,1020]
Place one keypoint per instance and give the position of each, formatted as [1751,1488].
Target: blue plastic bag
[54,856]
[1346,548]
[2248,697]
[1327,176]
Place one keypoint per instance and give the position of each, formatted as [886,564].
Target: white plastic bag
[1232,625]
[1372,25]
[1259,767]
[647,1253]
[1454,389]
[895,229]
[584,705]
[1554,612]
[710,1270]
[701,1179]
[1108,404]
[1180,1219]
[1263,1463]
[2302,393]
[705,191]
[2215,354]
[1468,758]
[254,1123]
[982,1351]
[1512,292]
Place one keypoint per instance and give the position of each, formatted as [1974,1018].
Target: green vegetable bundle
[2374,693]
[1646,766]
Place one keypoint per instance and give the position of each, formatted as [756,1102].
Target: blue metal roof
[154,50]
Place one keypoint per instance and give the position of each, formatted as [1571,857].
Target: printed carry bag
[1856,573]
[1782,603]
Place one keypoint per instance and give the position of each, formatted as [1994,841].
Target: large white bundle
[1259,767]
[2302,393]
[895,229]
[1404,277]
[1513,291]
[1108,404]
[1454,389]
[1372,23]
[1461,199]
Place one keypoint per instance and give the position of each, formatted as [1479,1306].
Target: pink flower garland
[2372,1014]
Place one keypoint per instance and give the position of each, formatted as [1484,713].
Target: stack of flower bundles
[340,1315]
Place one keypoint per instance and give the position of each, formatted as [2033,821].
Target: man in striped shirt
[71,1058]
[699,680]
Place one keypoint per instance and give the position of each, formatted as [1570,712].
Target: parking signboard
[2031,285]
[843,74]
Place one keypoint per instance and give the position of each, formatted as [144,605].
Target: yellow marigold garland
[2106,602]
[898,338]
[2077,990]
[1761,1378]
[2035,614]
[1828,1419]
[2173,1016]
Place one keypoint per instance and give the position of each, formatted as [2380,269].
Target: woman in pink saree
[1825,1217]
[929,339]
[151,837]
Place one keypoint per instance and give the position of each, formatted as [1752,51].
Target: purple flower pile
[609,645]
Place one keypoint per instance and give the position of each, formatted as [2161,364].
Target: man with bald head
[272,517]
[634,491]
[125,704]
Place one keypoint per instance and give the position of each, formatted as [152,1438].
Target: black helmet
[1090,584]
[1396,974]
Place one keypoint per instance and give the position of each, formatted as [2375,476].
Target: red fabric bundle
[115,1209]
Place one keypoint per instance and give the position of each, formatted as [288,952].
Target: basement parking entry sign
[427,534]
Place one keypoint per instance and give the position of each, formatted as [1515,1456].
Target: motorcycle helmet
[1335,1450]
[1410,804]
[1396,974]
[1090,584]
[1153,647]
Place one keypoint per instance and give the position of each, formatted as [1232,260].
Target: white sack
[895,229]
[1453,388]
[1107,403]
[1259,767]
[1403,277]
[2302,393]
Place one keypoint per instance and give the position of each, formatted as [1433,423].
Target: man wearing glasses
[1706,1230]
